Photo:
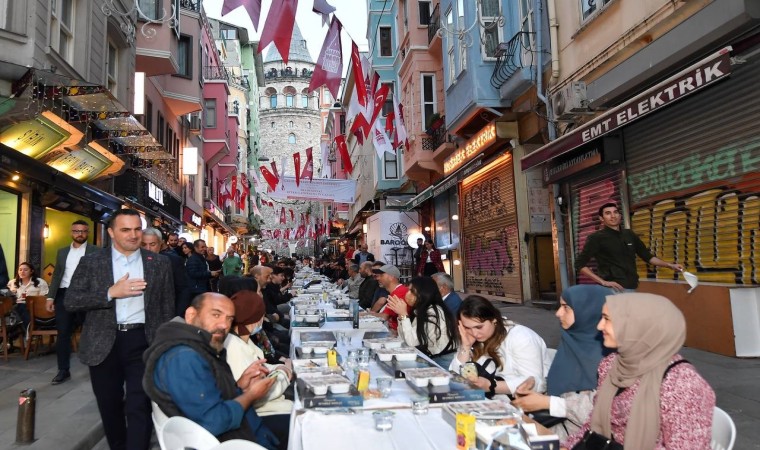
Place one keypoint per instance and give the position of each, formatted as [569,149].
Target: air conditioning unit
[570,102]
[207,193]
[195,123]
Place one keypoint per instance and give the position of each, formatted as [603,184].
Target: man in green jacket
[232,264]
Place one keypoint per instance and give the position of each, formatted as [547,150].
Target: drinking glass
[420,405]
[383,420]
[384,385]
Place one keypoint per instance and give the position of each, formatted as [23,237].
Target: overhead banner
[338,191]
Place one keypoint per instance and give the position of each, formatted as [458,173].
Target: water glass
[339,336]
[383,420]
[420,405]
[384,385]
[364,361]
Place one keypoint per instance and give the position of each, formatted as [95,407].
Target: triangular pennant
[308,168]
[324,9]
[253,7]
[340,143]
[297,166]
[329,68]
[278,27]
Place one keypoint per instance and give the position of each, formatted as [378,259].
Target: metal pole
[25,422]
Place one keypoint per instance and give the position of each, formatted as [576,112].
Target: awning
[445,184]
[692,79]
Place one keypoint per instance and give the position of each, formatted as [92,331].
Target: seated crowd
[617,373]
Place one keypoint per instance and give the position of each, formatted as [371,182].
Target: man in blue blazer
[66,263]
[127,293]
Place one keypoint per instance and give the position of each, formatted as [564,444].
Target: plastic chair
[41,322]
[159,420]
[6,305]
[723,431]
[180,433]
[238,444]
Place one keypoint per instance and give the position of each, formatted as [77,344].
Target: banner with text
[339,191]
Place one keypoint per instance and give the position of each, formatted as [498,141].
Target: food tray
[386,342]
[311,336]
[320,384]
[396,368]
[457,390]
[352,398]
[316,348]
[421,377]
[401,354]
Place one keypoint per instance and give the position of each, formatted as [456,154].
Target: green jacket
[232,265]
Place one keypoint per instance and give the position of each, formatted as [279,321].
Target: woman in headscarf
[648,396]
[242,352]
[571,381]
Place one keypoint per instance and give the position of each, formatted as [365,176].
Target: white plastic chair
[238,444]
[723,431]
[180,432]
[159,420]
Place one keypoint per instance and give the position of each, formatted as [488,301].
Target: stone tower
[290,121]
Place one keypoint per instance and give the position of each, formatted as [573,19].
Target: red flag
[380,97]
[324,9]
[278,27]
[356,68]
[297,165]
[277,234]
[274,171]
[329,68]
[270,178]
[282,215]
[361,128]
[287,233]
[233,188]
[340,142]
[308,168]
[246,191]
[253,7]
[292,215]
[389,122]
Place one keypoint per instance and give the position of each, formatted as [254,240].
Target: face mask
[257,329]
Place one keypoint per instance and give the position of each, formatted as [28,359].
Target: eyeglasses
[80,231]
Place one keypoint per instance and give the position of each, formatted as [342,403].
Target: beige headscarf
[649,330]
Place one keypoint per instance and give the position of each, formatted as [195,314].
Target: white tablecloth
[338,432]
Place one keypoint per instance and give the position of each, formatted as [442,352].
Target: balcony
[511,73]
[190,5]
[435,138]
[211,73]
[434,25]
[288,72]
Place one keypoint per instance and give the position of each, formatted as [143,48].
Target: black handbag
[595,441]
[543,417]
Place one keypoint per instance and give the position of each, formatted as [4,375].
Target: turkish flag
[292,215]
[253,7]
[361,128]
[329,68]
[283,219]
[269,177]
[297,164]
[356,69]
[401,134]
[274,171]
[308,168]
[379,97]
[245,192]
[278,27]
[389,122]
[340,142]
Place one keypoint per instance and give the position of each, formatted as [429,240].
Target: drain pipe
[559,220]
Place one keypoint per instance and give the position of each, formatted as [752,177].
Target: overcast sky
[351,13]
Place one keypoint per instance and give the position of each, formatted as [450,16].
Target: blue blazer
[453,302]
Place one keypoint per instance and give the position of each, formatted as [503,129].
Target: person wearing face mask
[242,351]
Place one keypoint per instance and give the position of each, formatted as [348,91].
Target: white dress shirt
[130,309]
[72,261]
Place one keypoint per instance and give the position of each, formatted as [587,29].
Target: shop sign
[155,193]
[482,140]
[34,137]
[189,216]
[566,166]
[706,72]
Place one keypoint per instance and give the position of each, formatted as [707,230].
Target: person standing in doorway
[615,249]
[430,260]
[127,293]
[66,263]
[214,265]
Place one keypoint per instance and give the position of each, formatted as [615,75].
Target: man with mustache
[187,374]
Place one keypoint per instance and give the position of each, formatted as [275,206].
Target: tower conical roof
[298,50]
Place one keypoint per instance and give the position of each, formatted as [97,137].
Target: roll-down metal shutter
[694,181]
[588,194]
[490,239]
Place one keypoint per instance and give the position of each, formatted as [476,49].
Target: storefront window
[9,203]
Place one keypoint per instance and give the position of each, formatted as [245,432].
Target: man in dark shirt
[214,265]
[615,250]
[368,286]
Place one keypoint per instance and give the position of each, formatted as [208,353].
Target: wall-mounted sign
[567,165]
[190,216]
[490,134]
[155,193]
